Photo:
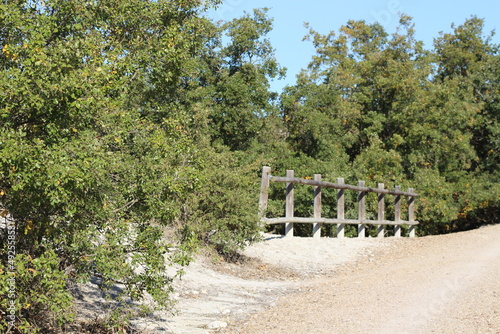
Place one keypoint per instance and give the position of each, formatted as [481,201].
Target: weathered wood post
[411,213]
[397,213]
[264,191]
[361,210]
[381,212]
[317,207]
[340,208]
[289,204]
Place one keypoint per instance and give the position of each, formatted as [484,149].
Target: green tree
[469,61]
[93,161]
[393,111]
[469,58]
[236,68]
[233,118]
[357,89]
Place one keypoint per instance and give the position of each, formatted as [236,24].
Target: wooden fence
[317,220]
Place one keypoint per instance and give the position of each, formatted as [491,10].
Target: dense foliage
[399,114]
[134,131]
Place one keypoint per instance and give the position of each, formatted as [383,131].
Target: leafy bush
[223,212]
[42,303]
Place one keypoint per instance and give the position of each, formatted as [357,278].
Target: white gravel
[437,284]
[207,296]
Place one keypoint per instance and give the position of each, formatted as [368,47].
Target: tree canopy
[398,113]
[134,131]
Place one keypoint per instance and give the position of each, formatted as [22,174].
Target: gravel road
[436,284]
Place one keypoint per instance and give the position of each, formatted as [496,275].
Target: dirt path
[438,284]
[225,293]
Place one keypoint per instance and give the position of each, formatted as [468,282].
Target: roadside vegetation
[124,122]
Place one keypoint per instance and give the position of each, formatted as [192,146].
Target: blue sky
[430,18]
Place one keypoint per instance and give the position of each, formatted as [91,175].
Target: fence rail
[318,221]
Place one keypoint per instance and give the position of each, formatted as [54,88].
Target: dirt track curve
[436,284]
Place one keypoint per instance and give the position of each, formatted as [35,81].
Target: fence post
[264,191]
[397,213]
[340,208]
[289,204]
[317,207]
[411,213]
[361,211]
[381,212]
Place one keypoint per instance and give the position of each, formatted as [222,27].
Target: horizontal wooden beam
[339,186]
[271,221]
